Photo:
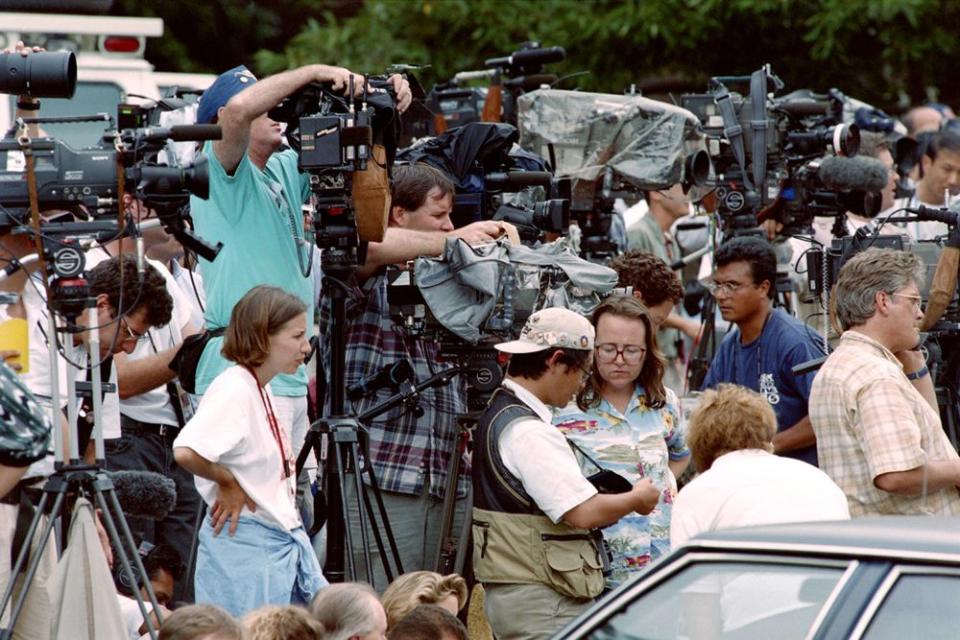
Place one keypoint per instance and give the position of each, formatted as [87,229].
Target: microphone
[393,374]
[183,133]
[529,57]
[857,173]
[144,494]
[935,214]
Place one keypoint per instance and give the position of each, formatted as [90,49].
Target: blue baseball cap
[228,84]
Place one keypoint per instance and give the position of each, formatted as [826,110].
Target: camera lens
[41,75]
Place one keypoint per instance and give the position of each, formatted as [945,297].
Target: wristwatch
[916,375]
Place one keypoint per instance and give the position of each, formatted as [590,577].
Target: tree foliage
[889,52]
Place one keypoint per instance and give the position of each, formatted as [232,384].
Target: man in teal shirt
[254,209]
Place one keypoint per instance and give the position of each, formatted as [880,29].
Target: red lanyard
[274,425]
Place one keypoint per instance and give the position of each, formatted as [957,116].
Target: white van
[110,67]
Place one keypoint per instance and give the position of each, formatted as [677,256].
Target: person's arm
[936,475]
[146,374]
[688,326]
[913,363]
[260,97]
[795,437]
[400,245]
[9,477]
[603,509]
[944,283]
[677,467]
[231,498]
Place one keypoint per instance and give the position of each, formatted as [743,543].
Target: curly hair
[414,588]
[729,418]
[127,291]
[650,276]
[651,373]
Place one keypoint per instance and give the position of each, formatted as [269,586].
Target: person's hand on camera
[771,228]
[231,498]
[646,496]
[480,232]
[402,88]
[9,354]
[340,78]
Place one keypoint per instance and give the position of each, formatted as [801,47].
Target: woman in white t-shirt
[244,465]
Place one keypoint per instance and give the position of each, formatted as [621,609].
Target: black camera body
[765,151]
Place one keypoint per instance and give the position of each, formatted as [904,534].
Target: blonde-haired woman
[412,589]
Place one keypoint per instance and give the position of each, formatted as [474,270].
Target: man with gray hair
[872,404]
[350,610]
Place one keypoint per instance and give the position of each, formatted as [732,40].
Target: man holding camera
[873,406]
[411,449]
[254,209]
[534,516]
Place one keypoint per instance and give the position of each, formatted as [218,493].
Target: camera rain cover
[645,142]
[477,292]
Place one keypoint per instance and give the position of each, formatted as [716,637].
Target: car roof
[909,537]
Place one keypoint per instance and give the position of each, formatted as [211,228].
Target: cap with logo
[228,84]
[554,328]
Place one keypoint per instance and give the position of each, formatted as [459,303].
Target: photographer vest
[514,542]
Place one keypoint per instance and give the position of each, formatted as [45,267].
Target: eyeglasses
[585,373]
[726,288]
[631,353]
[130,336]
[916,301]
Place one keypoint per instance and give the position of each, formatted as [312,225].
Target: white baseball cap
[554,328]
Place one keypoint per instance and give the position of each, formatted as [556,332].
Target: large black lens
[41,75]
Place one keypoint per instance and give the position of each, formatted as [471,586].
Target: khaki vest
[512,548]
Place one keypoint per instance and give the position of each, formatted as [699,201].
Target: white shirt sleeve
[220,426]
[538,454]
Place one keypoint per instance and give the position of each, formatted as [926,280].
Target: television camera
[768,153]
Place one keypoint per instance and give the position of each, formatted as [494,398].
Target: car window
[90,98]
[919,606]
[727,600]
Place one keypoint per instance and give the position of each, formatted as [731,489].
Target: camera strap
[759,124]
[734,132]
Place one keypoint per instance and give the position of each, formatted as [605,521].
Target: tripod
[74,478]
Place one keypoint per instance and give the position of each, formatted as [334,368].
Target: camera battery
[320,145]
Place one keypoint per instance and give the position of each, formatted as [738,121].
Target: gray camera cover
[643,141]
[481,291]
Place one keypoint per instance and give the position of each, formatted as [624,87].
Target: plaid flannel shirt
[406,450]
[870,420]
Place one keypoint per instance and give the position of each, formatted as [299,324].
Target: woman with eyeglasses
[627,421]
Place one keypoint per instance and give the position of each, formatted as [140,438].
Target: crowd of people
[586,464]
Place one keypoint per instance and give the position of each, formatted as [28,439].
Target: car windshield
[727,600]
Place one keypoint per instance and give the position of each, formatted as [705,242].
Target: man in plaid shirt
[410,448]
[872,404]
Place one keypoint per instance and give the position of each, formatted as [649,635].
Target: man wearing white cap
[535,550]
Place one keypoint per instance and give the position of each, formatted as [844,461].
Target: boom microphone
[935,214]
[529,57]
[184,133]
[144,494]
[857,173]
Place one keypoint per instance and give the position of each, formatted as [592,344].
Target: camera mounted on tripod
[768,153]
[347,144]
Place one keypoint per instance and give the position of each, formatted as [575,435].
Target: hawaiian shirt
[637,443]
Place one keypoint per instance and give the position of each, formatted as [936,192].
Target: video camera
[768,155]
[346,144]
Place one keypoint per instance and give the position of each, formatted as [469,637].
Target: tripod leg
[346,534]
[391,540]
[192,556]
[361,516]
[127,540]
[34,562]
